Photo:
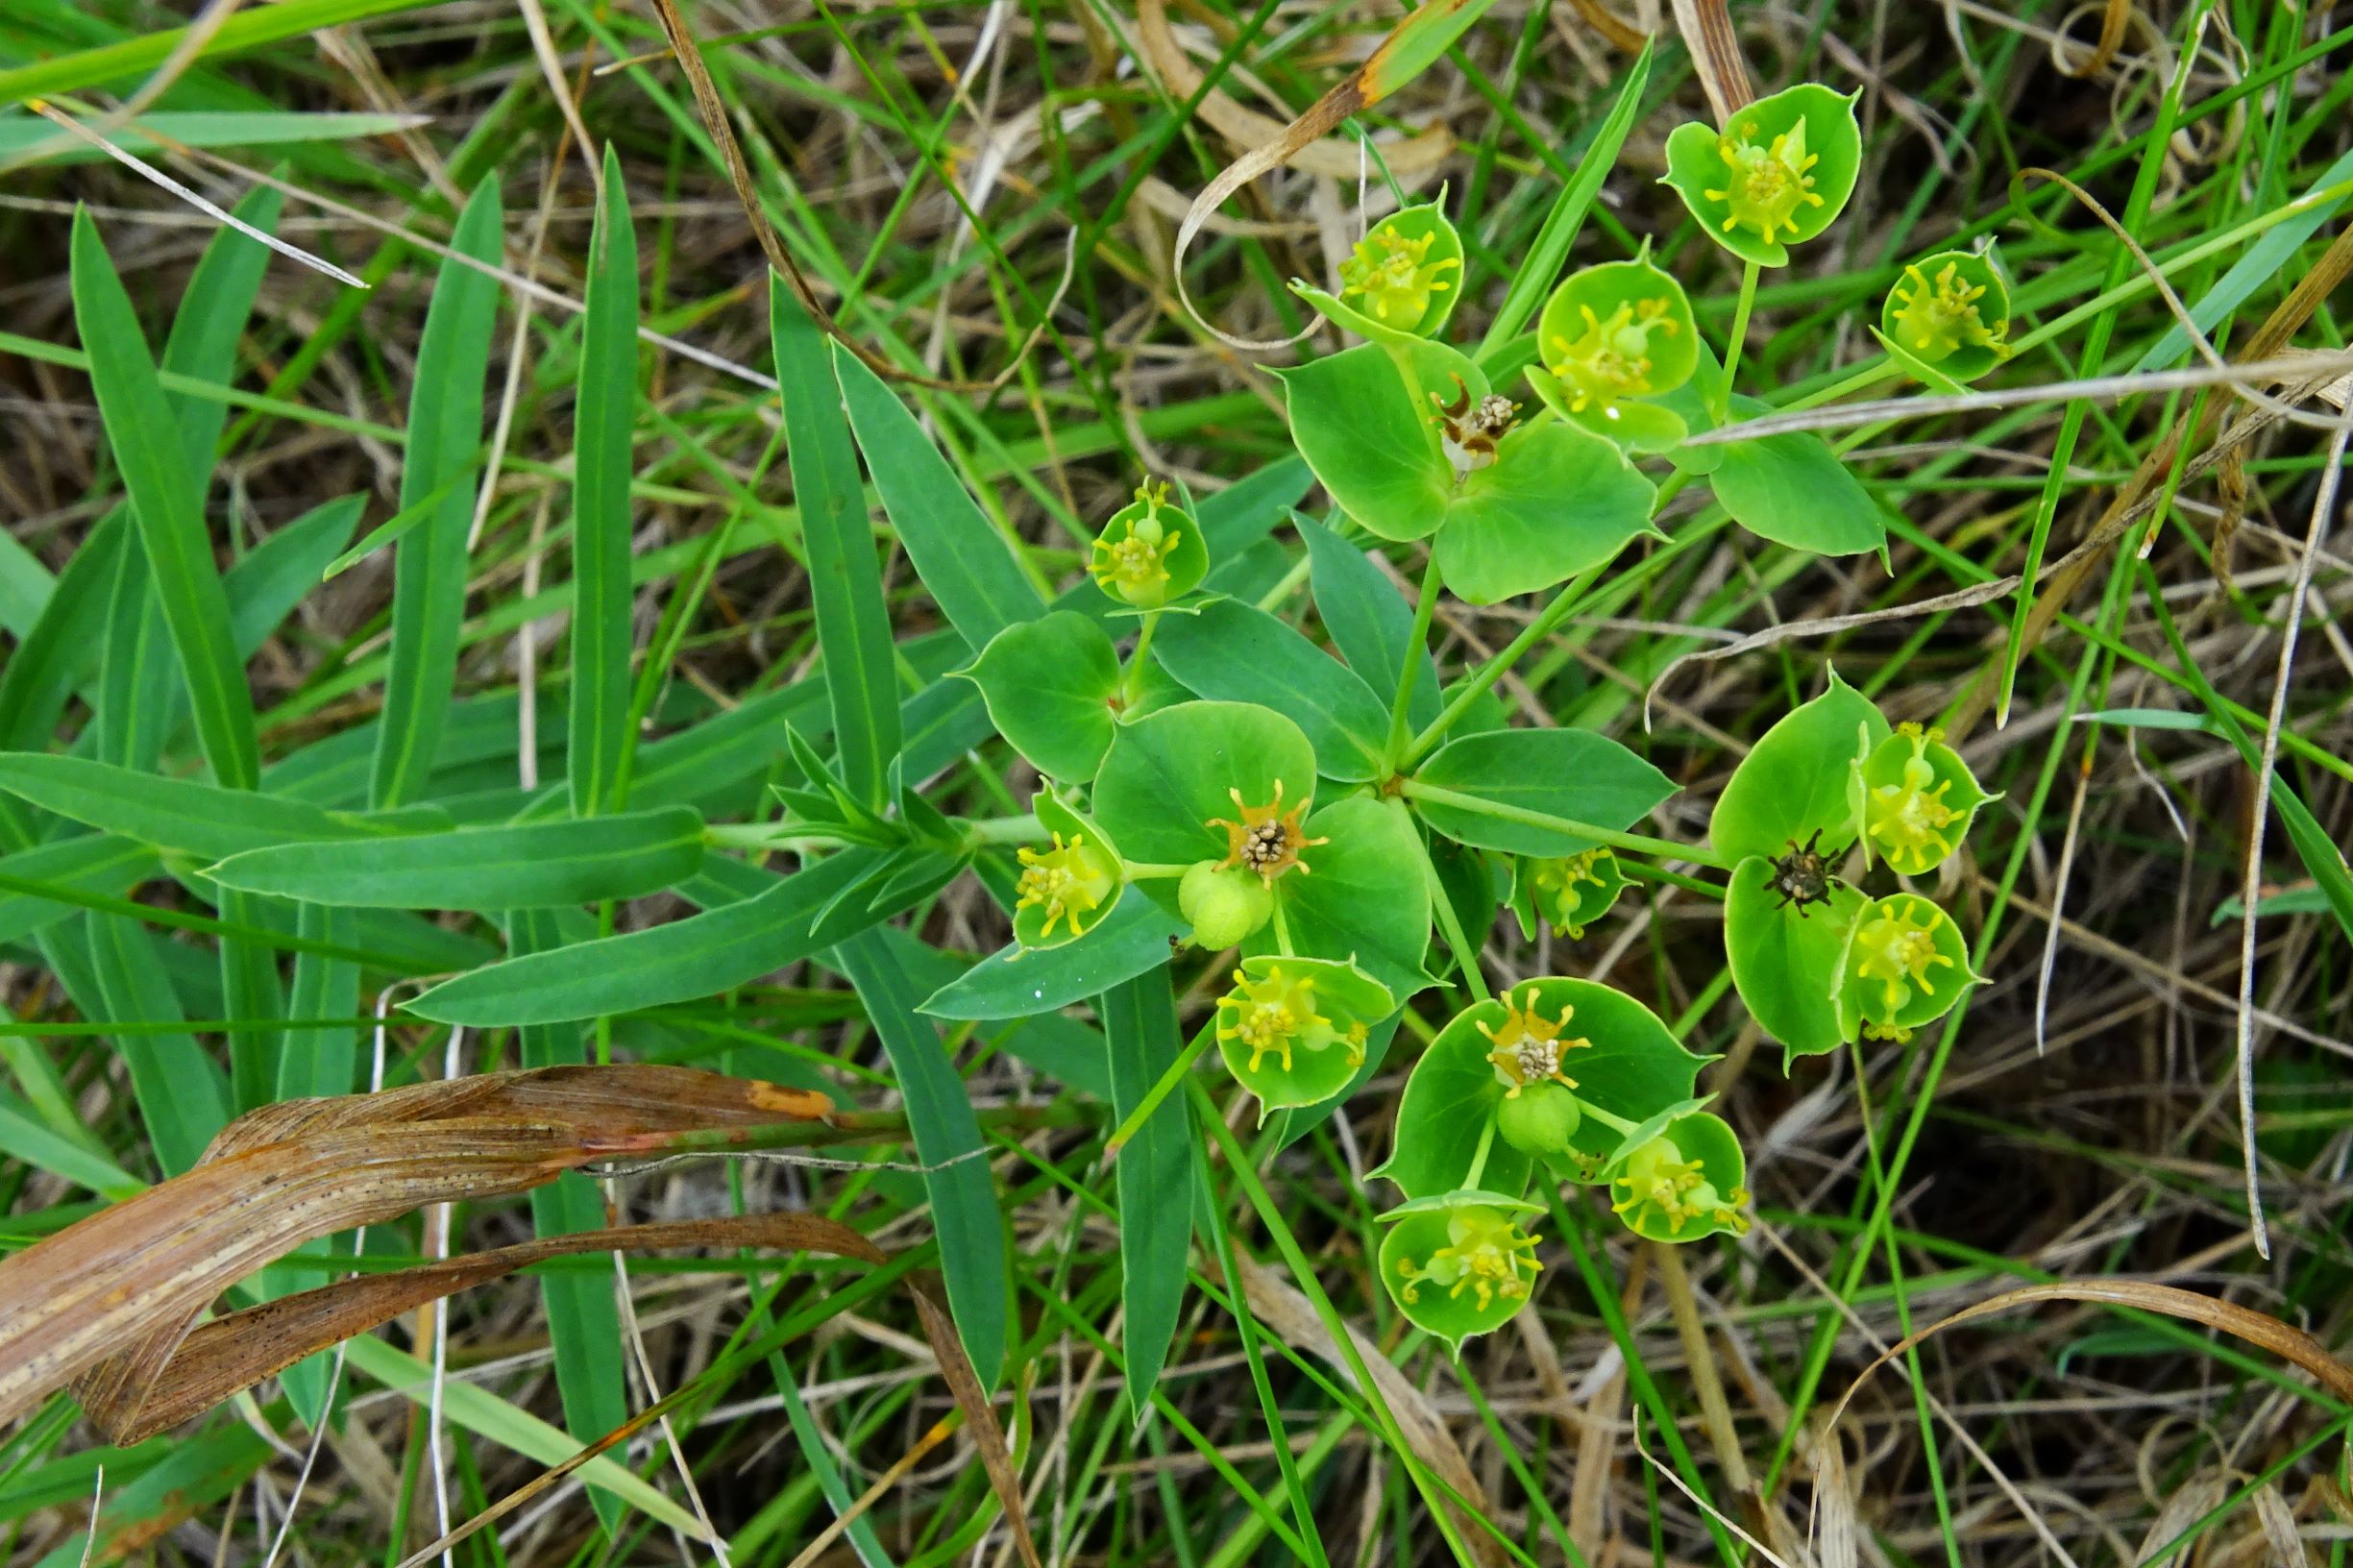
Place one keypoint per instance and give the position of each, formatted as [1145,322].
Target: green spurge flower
[1777,175]
[1292,1030]
[1071,883]
[1948,318]
[1460,1265]
[1149,552]
[1905,966]
[1401,280]
[1916,798]
[1609,337]
[1682,1183]
[1568,892]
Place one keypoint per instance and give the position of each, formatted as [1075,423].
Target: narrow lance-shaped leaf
[429,568]
[1155,1175]
[853,625]
[604,431]
[947,1139]
[145,439]
[323,1062]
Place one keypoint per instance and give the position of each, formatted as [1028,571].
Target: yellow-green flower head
[1529,1046]
[1657,1187]
[1950,312]
[1267,839]
[1610,358]
[1611,336]
[1150,552]
[1271,1013]
[1485,1254]
[1778,174]
[1398,273]
[1918,799]
[1073,881]
[1895,948]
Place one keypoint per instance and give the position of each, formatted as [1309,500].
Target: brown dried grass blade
[2261,1329]
[107,1300]
[1706,26]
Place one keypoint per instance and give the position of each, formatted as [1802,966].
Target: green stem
[1450,926]
[1149,870]
[1131,683]
[1485,678]
[1616,1124]
[1135,1119]
[1870,373]
[1740,333]
[1425,609]
[1415,394]
[1022,830]
[1283,931]
[1640,843]
[1479,1156]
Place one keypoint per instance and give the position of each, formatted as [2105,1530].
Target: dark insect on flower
[1476,424]
[1801,877]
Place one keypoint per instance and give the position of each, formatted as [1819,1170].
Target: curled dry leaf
[109,1304]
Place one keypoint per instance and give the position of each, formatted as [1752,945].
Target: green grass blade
[1534,279]
[134,57]
[853,625]
[530,865]
[701,956]
[183,1095]
[63,651]
[583,1318]
[175,813]
[1155,1171]
[327,1063]
[26,141]
[444,435]
[171,527]
[970,1228]
[92,863]
[968,567]
[602,448]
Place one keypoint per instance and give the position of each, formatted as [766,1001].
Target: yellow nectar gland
[1485,1254]
[1908,818]
[1267,840]
[1068,880]
[1392,274]
[1528,1044]
[1657,1175]
[1135,565]
[1899,953]
[1272,1015]
[1938,319]
[1769,184]
[1611,359]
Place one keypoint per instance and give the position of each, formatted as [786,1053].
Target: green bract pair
[1816,961]
[1561,1081]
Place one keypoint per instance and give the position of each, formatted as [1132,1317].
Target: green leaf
[1573,773]
[177,813]
[25,141]
[1237,652]
[324,1062]
[1370,622]
[1786,957]
[1155,1176]
[1357,426]
[1556,501]
[702,955]
[1360,896]
[533,865]
[1051,685]
[63,648]
[1792,489]
[171,527]
[1542,263]
[1794,782]
[853,625]
[182,1094]
[1019,982]
[442,454]
[92,863]
[1169,774]
[603,437]
[965,1214]
[583,1318]
[968,566]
